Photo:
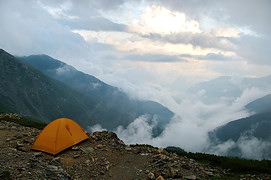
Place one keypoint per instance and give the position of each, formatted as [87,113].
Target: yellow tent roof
[58,135]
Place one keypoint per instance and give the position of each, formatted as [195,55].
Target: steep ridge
[29,92]
[114,104]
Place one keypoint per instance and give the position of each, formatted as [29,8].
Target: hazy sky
[165,43]
[152,49]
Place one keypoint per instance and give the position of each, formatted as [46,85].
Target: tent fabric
[59,135]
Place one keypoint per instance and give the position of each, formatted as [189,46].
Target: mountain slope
[118,105]
[254,129]
[27,91]
[258,125]
[260,105]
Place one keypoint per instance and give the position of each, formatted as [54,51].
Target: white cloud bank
[189,128]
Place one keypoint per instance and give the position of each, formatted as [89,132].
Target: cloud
[131,43]
[83,7]
[139,131]
[65,70]
[101,4]
[246,146]
[254,14]
[95,128]
[154,58]
[93,24]
[254,148]
[203,40]
[39,33]
[221,149]
[194,119]
[255,49]
[252,43]
[190,126]
[218,57]
[158,19]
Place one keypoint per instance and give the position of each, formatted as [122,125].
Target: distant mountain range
[257,126]
[227,88]
[45,88]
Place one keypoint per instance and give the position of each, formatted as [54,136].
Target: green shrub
[234,164]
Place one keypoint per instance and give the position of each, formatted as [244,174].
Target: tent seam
[57,135]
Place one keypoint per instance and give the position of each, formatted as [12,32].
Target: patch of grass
[234,164]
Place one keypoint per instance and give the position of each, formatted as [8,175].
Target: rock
[76,155]
[160,178]
[158,151]
[52,168]
[151,175]
[87,161]
[26,141]
[174,172]
[13,149]
[37,154]
[144,154]
[209,173]
[185,166]
[128,149]
[190,177]
[75,148]
[164,157]
[18,136]
[18,144]
[4,175]
[87,149]
[56,159]
[99,146]
[120,142]
[106,162]
[23,149]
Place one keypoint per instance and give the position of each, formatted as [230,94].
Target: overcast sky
[155,41]
[152,49]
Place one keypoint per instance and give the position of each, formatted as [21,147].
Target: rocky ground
[103,156]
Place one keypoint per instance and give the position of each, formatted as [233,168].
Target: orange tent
[58,135]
